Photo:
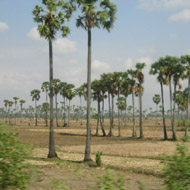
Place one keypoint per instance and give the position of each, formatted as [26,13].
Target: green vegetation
[99,159]
[177,169]
[14,171]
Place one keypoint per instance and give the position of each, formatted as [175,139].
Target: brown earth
[138,161]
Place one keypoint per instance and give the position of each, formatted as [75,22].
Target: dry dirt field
[138,161]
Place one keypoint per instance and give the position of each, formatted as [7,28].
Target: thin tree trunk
[98,119]
[69,113]
[103,111]
[188,108]
[36,115]
[80,110]
[46,110]
[52,153]
[119,122]
[64,111]
[110,115]
[125,111]
[56,110]
[174,137]
[156,114]
[140,109]
[15,114]
[171,109]
[134,124]
[88,128]
[163,112]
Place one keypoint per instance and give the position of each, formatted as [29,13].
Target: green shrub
[177,170]
[185,138]
[14,171]
[109,181]
[98,159]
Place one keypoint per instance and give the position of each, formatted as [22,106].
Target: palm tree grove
[95,94]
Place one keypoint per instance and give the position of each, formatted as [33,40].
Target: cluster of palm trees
[170,70]
[9,110]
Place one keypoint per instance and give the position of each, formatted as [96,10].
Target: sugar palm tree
[132,82]
[10,103]
[21,108]
[45,109]
[140,78]
[186,61]
[94,13]
[51,18]
[15,102]
[158,68]
[35,97]
[156,100]
[56,89]
[45,88]
[6,103]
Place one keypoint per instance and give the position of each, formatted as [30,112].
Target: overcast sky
[144,31]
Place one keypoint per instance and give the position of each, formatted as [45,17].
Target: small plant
[14,171]
[109,181]
[98,159]
[141,186]
[177,170]
[185,138]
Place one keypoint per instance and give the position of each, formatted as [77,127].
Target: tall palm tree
[186,61]
[6,103]
[51,18]
[15,102]
[35,97]
[10,103]
[70,94]
[158,68]
[140,78]
[21,108]
[45,88]
[94,13]
[156,100]
[132,82]
[56,89]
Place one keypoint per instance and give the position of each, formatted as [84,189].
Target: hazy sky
[144,31]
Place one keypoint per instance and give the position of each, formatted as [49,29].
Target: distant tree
[6,103]
[15,102]
[35,97]
[156,100]
[21,108]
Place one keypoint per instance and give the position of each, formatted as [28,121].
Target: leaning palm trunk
[88,128]
[134,124]
[100,118]
[188,107]
[171,109]
[52,153]
[140,114]
[163,112]
[173,126]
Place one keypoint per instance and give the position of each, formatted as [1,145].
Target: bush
[14,172]
[177,170]
[111,182]
[98,159]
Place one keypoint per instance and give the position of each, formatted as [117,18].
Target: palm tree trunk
[188,107]
[46,110]
[173,126]
[56,110]
[171,109]
[140,109]
[64,111]
[52,153]
[134,124]
[88,128]
[69,113]
[163,112]
[119,122]
[36,116]
[110,115]
[103,111]
[125,111]
[80,110]
[98,119]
